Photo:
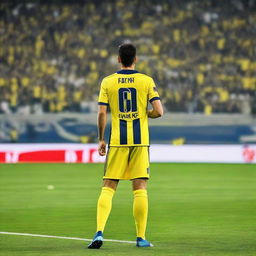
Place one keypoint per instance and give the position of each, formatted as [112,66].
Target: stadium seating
[200,53]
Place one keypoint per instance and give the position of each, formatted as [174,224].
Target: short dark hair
[127,54]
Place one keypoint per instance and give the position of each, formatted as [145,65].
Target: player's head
[127,55]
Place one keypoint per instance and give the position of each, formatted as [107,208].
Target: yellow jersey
[127,93]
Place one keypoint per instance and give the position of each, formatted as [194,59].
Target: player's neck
[128,68]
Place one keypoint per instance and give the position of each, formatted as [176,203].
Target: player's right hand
[102,148]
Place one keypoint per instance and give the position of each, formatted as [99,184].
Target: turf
[195,210]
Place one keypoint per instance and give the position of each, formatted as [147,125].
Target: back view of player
[127,93]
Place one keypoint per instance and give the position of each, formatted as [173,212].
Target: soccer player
[127,93]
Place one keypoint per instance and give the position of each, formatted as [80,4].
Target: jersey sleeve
[153,94]
[103,96]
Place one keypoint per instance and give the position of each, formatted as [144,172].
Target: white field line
[63,237]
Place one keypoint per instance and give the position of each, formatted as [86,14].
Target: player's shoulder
[109,77]
[107,80]
[146,78]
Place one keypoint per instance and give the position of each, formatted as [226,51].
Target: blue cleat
[97,241]
[143,243]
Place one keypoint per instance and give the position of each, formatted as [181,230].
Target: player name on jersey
[124,80]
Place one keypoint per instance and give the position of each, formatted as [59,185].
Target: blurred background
[201,54]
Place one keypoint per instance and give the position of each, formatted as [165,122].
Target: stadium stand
[200,53]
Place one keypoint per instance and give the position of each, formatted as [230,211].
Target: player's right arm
[102,118]
[102,121]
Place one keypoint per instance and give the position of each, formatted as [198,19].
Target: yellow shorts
[127,163]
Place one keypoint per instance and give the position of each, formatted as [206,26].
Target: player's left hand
[102,148]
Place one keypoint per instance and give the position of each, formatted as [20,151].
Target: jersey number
[128,103]
[127,100]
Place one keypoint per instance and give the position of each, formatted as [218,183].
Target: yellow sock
[104,207]
[140,211]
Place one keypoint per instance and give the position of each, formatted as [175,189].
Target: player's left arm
[157,110]
[102,121]
[155,101]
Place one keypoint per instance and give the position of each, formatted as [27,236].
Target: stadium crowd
[201,54]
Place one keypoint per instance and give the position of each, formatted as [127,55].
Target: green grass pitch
[195,210]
